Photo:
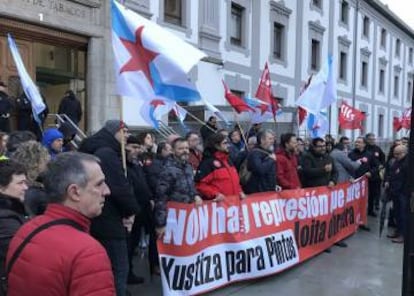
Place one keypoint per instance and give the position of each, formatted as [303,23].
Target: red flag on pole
[264,90]
[396,124]
[302,113]
[236,102]
[350,118]
[406,119]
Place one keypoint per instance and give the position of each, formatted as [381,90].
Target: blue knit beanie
[50,135]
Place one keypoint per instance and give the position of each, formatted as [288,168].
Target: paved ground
[369,266]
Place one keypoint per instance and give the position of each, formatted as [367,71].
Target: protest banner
[215,244]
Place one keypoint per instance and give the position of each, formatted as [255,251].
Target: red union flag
[406,119]
[236,102]
[350,118]
[396,124]
[264,90]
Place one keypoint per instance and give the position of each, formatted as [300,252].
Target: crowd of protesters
[122,206]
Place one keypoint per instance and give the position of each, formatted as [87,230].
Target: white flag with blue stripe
[29,88]
[321,92]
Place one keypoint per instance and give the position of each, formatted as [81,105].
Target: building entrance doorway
[56,62]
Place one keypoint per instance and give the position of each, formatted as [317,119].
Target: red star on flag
[156,103]
[140,56]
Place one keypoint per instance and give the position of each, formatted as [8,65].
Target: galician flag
[151,63]
[321,91]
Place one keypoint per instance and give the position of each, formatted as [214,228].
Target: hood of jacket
[101,139]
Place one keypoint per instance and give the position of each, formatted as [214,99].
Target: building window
[410,55]
[397,47]
[344,12]
[381,81]
[364,74]
[365,29]
[236,33]
[342,65]
[364,123]
[396,86]
[317,3]
[315,55]
[381,126]
[278,39]
[383,37]
[409,91]
[173,12]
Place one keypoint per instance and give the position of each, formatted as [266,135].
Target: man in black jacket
[143,195]
[318,167]
[369,167]
[209,128]
[109,227]
[6,107]
[375,181]
[261,162]
[71,106]
[395,183]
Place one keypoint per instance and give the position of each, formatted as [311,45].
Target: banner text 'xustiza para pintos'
[215,244]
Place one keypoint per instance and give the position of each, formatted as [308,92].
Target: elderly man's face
[92,196]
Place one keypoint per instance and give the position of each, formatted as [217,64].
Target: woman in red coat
[217,177]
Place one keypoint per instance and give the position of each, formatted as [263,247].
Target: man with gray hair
[53,254]
[261,162]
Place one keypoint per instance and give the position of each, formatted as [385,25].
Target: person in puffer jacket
[64,259]
[53,141]
[217,177]
[176,183]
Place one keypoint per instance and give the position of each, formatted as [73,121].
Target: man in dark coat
[375,181]
[176,183]
[154,169]
[143,195]
[209,128]
[395,181]
[369,167]
[71,106]
[318,167]
[109,228]
[261,162]
[6,108]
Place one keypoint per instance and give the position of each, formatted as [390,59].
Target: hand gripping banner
[218,243]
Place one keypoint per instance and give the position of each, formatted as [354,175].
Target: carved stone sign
[60,7]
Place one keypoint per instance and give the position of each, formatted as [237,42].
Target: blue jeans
[117,250]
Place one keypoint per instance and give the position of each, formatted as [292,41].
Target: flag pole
[123,151]
[240,128]
[200,121]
